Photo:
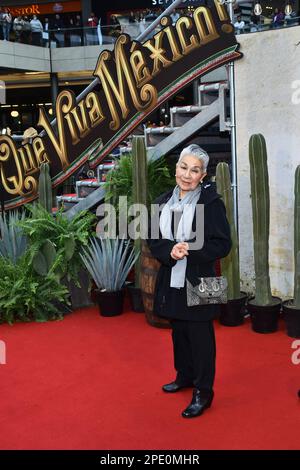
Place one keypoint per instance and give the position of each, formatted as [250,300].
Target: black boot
[175,387]
[201,400]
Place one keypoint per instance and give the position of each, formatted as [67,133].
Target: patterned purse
[210,290]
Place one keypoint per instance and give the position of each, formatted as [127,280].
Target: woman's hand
[180,250]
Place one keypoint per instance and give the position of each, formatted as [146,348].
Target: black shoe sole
[177,389]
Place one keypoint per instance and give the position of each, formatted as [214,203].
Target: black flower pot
[80,295]
[264,319]
[136,301]
[232,313]
[110,303]
[291,317]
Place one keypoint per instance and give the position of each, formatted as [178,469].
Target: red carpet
[89,382]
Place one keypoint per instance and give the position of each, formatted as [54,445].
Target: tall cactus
[139,190]
[45,187]
[297,238]
[261,217]
[229,264]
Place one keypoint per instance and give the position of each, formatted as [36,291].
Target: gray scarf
[187,207]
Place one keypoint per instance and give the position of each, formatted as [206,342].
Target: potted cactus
[79,283]
[45,187]
[232,313]
[263,308]
[139,196]
[291,308]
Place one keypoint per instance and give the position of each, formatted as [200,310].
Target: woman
[6,24]
[36,31]
[192,327]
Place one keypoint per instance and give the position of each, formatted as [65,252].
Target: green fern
[119,181]
[26,296]
[67,235]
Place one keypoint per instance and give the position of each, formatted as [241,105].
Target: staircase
[246,9]
[204,122]
[84,187]
[201,122]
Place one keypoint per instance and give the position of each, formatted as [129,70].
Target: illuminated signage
[45,8]
[134,79]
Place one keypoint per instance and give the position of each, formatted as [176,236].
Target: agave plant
[109,262]
[13,242]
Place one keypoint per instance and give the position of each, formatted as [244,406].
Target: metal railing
[78,36]
[103,35]
[148,31]
[87,36]
[270,25]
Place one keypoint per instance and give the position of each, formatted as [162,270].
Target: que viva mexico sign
[134,79]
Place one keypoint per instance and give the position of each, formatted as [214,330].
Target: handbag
[210,290]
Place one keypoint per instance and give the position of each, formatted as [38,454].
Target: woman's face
[189,173]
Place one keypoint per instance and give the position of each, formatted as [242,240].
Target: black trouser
[194,353]
[36,39]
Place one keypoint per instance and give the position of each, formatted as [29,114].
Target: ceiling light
[257,9]
[14,114]
[288,9]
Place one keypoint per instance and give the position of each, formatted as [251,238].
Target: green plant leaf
[70,246]
[39,264]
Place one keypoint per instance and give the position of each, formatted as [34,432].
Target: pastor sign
[133,80]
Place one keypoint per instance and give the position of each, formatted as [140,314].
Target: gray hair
[196,151]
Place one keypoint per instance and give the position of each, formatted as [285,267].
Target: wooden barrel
[149,270]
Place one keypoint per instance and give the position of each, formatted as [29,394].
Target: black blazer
[170,302]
